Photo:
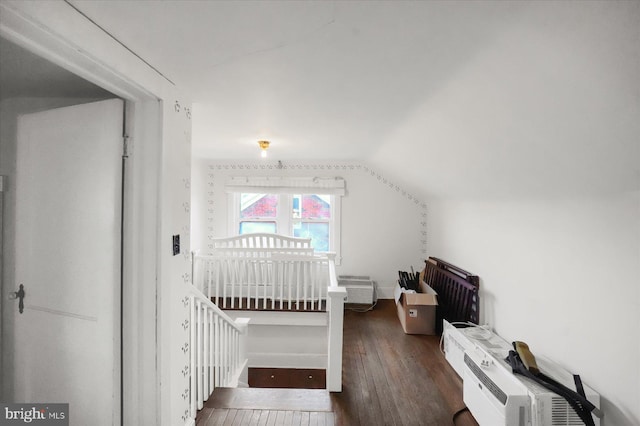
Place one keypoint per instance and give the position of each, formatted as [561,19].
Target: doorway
[51,356]
[46,32]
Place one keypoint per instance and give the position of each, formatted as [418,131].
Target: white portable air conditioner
[478,356]
[359,288]
[549,408]
[455,342]
[494,397]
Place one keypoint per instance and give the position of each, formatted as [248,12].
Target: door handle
[20,294]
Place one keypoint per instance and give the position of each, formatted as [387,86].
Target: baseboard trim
[384,292]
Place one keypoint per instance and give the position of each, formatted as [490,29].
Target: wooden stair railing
[217,346]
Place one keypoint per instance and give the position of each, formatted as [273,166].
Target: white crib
[264,271]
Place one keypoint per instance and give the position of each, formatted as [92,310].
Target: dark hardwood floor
[389,378]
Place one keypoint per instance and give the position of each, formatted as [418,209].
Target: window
[258,213]
[298,215]
[298,207]
[311,218]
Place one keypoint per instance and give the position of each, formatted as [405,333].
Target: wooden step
[271,399]
[232,416]
[267,406]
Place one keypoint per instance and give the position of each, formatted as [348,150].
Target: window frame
[284,217]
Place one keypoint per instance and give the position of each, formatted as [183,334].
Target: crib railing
[279,281]
[218,350]
[262,241]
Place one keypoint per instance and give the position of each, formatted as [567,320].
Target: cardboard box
[417,311]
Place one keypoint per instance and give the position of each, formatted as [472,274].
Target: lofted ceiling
[462,97]
[320,79]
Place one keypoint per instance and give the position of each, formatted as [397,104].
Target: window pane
[314,206]
[258,206]
[318,232]
[253,227]
[296,200]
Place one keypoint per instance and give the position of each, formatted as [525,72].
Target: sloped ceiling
[456,98]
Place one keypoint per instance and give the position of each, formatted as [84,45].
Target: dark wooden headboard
[458,292]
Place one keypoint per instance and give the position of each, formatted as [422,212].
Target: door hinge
[127,146]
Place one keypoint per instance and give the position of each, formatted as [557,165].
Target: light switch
[176,245]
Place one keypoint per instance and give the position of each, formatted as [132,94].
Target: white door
[68,226]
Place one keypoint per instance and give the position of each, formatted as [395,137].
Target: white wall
[174,270]
[560,274]
[286,339]
[383,226]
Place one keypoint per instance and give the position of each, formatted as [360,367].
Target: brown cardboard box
[417,311]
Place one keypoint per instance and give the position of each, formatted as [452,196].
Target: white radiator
[360,289]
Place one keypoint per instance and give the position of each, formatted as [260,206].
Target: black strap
[578,381]
[579,403]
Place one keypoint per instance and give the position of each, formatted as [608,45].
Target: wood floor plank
[313,418]
[254,420]
[231,416]
[242,417]
[264,417]
[395,366]
[288,417]
[203,416]
[271,420]
[304,418]
[373,406]
[330,419]
[322,418]
[378,385]
[218,416]
[280,418]
[296,418]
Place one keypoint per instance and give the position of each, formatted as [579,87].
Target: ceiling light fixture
[264,145]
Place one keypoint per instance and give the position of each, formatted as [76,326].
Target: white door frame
[27,24]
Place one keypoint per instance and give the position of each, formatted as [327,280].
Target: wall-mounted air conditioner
[360,289]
